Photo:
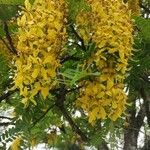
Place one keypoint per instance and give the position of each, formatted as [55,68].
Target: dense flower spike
[111,29]
[41,37]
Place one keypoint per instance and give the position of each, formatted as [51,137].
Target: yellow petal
[102,113]
[35,73]
[24,92]
[48,59]
[44,73]
[16,144]
[95,89]
[110,84]
[93,115]
[19,80]
[121,54]
[22,21]
[92,118]
[45,92]
[27,4]
[114,105]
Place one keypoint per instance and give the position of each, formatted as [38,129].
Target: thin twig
[60,104]
[6,29]
[145,8]
[6,123]
[5,43]
[75,128]
[74,89]
[41,117]
[6,95]
[79,38]
[3,117]
[66,58]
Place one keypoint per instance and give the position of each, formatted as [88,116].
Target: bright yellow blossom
[108,24]
[41,37]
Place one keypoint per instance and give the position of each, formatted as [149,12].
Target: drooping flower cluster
[110,27]
[41,37]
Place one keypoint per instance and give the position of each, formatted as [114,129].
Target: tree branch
[5,43]
[6,95]
[146,143]
[41,117]
[6,29]
[75,128]
[140,118]
[145,8]
[79,38]
[74,89]
[60,104]
[146,104]
[6,123]
[103,146]
[66,58]
[130,135]
[3,117]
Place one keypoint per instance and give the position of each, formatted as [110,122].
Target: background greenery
[61,127]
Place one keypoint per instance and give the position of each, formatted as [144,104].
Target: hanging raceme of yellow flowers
[110,28]
[41,37]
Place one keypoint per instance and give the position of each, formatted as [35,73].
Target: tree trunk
[135,123]
[130,138]
[103,146]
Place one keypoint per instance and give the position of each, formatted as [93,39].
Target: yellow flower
[16,143]
[42,34]
[108,24]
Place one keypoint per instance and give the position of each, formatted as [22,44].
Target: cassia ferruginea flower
[110,27]
[41,37]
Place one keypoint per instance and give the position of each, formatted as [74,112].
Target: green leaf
[9,8]
[8,11]
[99,137]
[75,6]
[13,28]
[12,2]
[75,75]
[144,27]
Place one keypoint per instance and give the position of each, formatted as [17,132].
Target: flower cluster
[111,29]
[41,37]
